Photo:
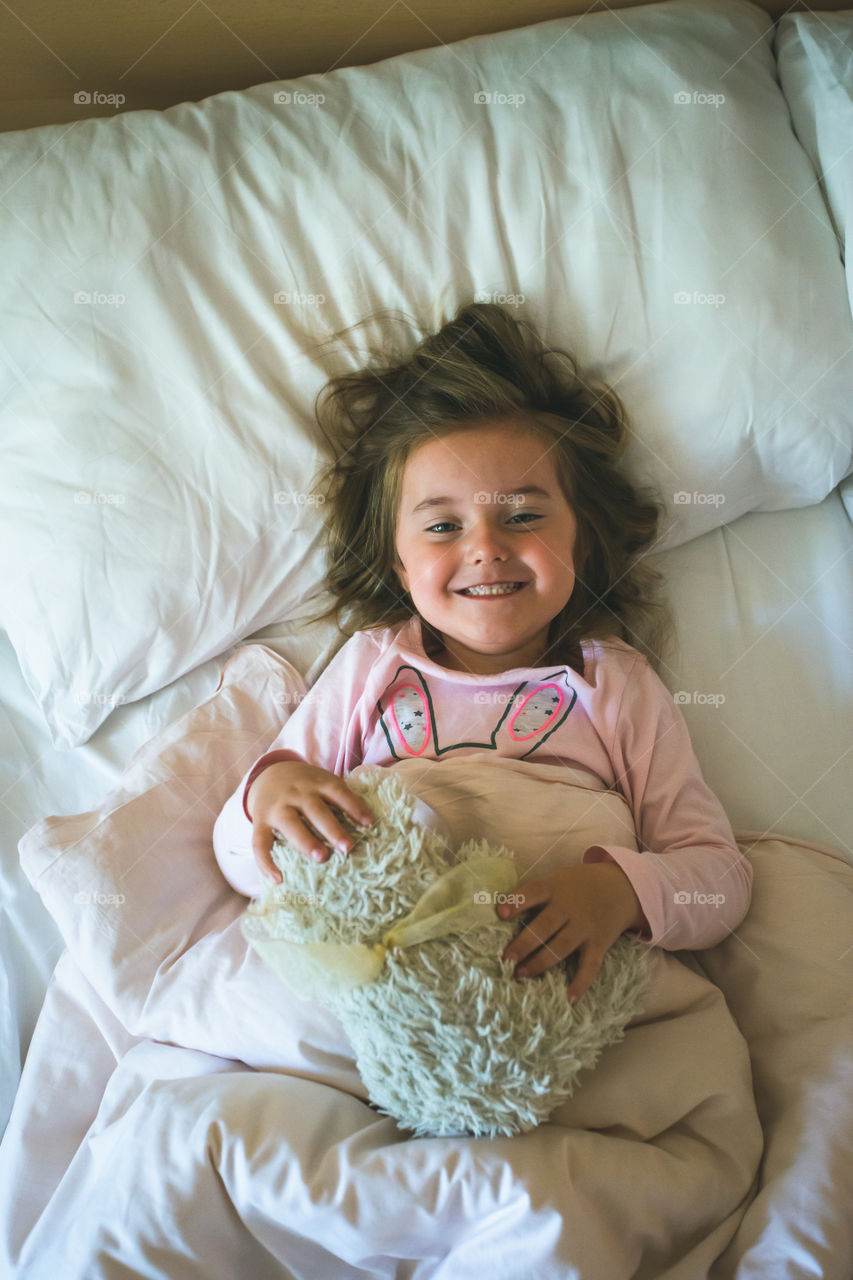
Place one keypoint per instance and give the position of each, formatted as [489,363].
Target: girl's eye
[520,515]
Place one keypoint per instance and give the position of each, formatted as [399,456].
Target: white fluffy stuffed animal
[401,941]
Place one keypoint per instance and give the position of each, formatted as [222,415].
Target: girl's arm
[692,881]
[323,730]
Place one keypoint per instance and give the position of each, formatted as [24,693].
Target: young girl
[487,544]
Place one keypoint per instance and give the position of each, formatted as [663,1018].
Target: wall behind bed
[66,62]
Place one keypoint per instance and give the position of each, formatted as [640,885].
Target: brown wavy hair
[486,364]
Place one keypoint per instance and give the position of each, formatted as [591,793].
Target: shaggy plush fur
[447,1041]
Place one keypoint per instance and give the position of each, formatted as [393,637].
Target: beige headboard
[154,53]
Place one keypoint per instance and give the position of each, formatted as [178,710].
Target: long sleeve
[693,883]
[324,730]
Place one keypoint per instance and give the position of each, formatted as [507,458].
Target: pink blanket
[181,1113]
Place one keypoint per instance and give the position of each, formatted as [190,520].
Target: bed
[667,191]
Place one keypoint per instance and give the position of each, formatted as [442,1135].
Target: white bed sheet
[765,616]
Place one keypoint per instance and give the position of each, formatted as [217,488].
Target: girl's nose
[486,544]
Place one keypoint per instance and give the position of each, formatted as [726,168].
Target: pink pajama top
[382,699]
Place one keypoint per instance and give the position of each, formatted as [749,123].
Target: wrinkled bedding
[181,1113]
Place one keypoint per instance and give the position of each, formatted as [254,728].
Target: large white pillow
[167,275]
[815,56]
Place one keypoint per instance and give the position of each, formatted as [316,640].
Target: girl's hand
[582,907]
[293,799]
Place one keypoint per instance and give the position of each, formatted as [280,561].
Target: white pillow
[167,274]
[815,56]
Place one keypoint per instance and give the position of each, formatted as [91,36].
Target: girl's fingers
[345,799]
[262,843]
[311,827]
[591,958]
[331,830]
[525,896]
[547,921]
[296,832]
[539,949]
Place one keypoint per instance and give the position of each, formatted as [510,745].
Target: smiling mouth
[494,589]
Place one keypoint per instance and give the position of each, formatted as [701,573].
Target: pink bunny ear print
[410,718]
[537,712]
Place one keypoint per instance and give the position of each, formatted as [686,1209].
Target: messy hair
[482,365]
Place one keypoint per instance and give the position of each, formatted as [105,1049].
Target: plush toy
[401,941]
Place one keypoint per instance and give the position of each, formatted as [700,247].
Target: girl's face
[465,522]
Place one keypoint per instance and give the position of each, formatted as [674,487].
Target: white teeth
[498,589]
